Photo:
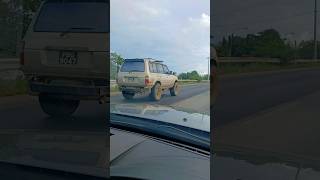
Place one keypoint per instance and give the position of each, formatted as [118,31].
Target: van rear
[68,39]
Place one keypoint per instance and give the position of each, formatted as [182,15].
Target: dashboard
[138,156]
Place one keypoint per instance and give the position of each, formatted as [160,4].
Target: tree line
[267,43]
[15,17]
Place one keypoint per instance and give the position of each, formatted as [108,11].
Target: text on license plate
[68,57]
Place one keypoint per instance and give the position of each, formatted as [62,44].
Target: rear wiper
[75,28]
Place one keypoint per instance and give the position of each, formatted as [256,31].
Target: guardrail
[262,60]
[7,64]
[113,83]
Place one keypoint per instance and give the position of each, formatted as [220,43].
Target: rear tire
[57,107]
[156,92]
[174,91]
[127,95]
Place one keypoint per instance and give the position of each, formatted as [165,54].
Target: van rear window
[133,66]
[73,16]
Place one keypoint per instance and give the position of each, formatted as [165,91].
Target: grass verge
[260,67]
[13,87]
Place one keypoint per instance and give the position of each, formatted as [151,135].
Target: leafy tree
[306,49]
[116,60]
[29,8]
[267,43]
[15,17]
[193,75]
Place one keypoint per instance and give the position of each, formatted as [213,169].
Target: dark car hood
[164,114]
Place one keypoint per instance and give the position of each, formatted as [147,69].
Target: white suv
[146,76]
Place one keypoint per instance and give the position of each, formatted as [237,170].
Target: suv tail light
[146,80]
[22,53]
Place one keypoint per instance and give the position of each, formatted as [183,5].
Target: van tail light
[22,53]
[146,80]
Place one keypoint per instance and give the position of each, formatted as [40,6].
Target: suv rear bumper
[135,89]
[73,92]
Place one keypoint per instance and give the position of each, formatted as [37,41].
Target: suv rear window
[133,66]
[73,16]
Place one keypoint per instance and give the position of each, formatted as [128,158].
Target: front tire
[156,92]
[57,107]
[174,91]
[127,95]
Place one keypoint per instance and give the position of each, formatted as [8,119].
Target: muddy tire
[174,91]
[156,92]
[57,107]
[127,95]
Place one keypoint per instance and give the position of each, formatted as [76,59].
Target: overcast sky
[177,32]
[293,18]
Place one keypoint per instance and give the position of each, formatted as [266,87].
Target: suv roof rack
[157,61]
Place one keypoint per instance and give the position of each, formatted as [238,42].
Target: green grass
[260,67]
[114,89]
[189,82]
[13,87]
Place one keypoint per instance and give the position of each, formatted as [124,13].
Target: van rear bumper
[74,92]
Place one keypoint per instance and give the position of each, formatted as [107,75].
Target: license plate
[130,79]
[68,57]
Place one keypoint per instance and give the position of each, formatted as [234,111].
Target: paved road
[243,96]
[24,112]
[186,92]
[239,98]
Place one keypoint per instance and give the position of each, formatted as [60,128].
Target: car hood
[165,114]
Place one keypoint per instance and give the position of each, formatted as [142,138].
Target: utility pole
[231,45]
[19,11]
[315,57]
[208,68]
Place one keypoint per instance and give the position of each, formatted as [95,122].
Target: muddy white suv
[65,54]
[146,76]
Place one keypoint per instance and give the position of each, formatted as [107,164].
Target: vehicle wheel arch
[156,83]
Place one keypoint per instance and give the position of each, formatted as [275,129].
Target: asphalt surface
[24,112]
[186,92]
[239,97]
[243,96]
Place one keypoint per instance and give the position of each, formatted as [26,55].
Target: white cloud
[162,30]
[204,20]
[149,10]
